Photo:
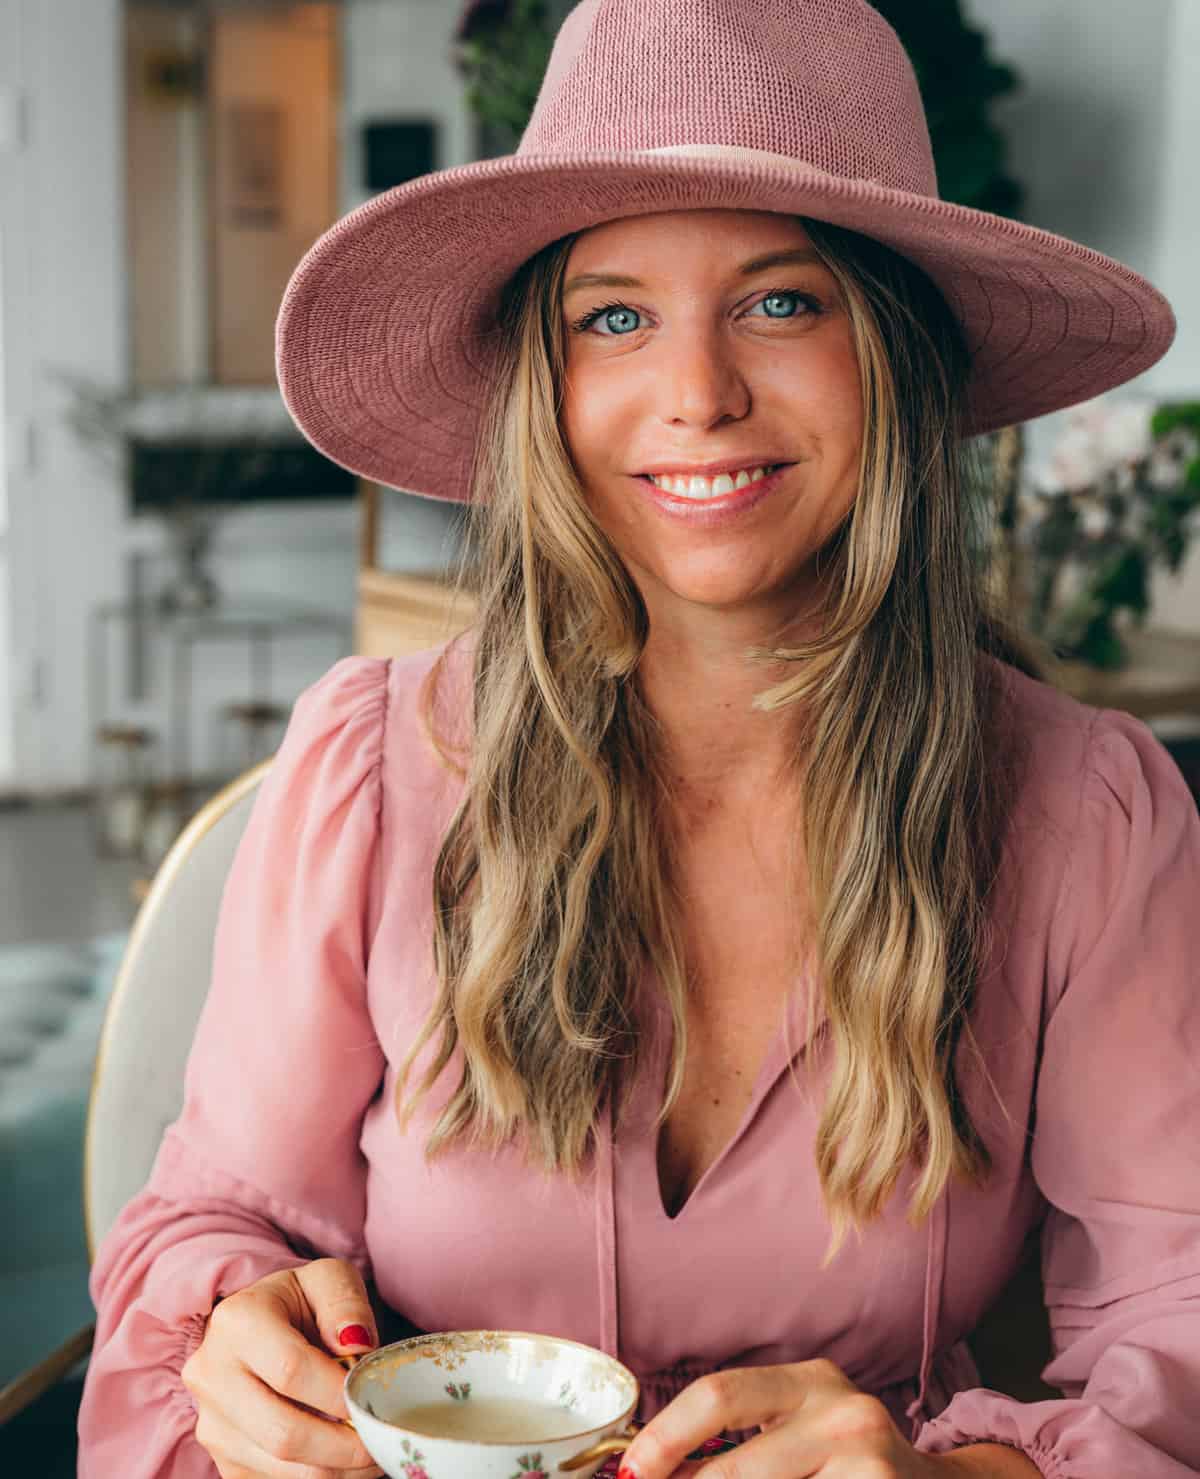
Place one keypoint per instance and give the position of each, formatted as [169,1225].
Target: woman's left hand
[815,1421]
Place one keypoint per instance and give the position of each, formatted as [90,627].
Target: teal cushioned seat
[52,1004]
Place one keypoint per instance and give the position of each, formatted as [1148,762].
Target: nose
[699,379]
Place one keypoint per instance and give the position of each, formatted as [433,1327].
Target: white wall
[1177,598]
[65,284]
[1103,133]
[64,308]
[1086,130]
[7,749]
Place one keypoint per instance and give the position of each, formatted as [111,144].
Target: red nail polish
[354,1335]
[625,1472]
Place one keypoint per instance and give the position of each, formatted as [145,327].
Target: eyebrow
[747,269]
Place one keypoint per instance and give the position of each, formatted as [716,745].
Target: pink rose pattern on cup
[414,1467]
[531,1467]
[530,1464]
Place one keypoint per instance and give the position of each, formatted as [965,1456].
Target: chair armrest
[29,1386]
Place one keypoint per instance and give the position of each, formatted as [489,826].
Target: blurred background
[176,564]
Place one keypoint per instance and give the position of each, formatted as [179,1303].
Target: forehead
[713,233]
[636,251]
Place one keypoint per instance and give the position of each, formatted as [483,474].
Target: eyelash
[582,324]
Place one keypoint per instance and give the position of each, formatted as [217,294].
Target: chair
[137,1091]
[137,1083]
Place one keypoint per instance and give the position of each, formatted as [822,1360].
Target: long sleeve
[262,1170]
[1116,1148]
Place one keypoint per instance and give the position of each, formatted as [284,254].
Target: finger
[734,1398]
[279,1355]
[791,1448]
[337,1296]
[840,1432]
[257,1423]
[234,1453]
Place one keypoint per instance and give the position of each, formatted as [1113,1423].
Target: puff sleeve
[262,1170]
[1116,1147]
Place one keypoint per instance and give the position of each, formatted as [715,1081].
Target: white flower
[1088,417]
[1171,458]
[1099,438]
[1125,435]
[1074,463]
[1163,471]
[1095,520]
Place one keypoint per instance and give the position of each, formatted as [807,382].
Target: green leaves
[958,80]
[503,54]
[1150,524]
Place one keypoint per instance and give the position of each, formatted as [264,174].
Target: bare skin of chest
[740,923]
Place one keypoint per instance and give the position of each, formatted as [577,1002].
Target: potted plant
[1117,496]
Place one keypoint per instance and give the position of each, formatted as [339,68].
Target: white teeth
[700,488]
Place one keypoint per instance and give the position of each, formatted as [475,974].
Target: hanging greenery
[501,48]
[958,82]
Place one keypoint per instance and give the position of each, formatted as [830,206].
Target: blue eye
[779,297]
[614,313]
[588,319]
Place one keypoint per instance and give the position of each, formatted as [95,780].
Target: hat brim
[384,340]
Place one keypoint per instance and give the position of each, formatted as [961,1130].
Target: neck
[721,754]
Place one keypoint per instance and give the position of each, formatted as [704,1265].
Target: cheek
[578,418]
[839,410]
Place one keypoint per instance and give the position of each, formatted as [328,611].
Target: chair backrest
[137,1083]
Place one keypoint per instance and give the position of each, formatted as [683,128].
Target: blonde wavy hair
[554,885]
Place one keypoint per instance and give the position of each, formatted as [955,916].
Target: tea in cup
[490,1404]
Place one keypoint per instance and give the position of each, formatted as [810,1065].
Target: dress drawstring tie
[606,1233]
[935,1268]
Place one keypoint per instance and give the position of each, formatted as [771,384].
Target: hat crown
[825,82]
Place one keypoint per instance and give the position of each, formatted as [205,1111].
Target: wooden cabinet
[398,611]
[1162,678]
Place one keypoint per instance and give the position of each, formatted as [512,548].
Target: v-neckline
[786,1044]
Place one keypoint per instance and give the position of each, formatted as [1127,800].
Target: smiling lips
[694,486]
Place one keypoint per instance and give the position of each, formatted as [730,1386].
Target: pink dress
[287,1148]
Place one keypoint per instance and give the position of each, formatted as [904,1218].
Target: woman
[734,882]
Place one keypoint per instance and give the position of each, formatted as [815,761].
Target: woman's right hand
[265,1351]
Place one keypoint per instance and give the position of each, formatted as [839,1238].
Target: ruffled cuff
[136,1416]
[940,1436]
[187,1339]
[1066,1439]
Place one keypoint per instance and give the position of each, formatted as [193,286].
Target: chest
[743,921]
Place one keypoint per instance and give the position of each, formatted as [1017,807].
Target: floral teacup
[577,1402]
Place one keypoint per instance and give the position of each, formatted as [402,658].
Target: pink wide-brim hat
[386,336]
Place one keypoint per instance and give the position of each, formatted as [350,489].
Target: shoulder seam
[1087,769]
[384,717]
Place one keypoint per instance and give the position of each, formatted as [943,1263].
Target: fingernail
[354,1335]
[626,1471]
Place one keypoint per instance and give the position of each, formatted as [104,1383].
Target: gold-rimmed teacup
[506,1404]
